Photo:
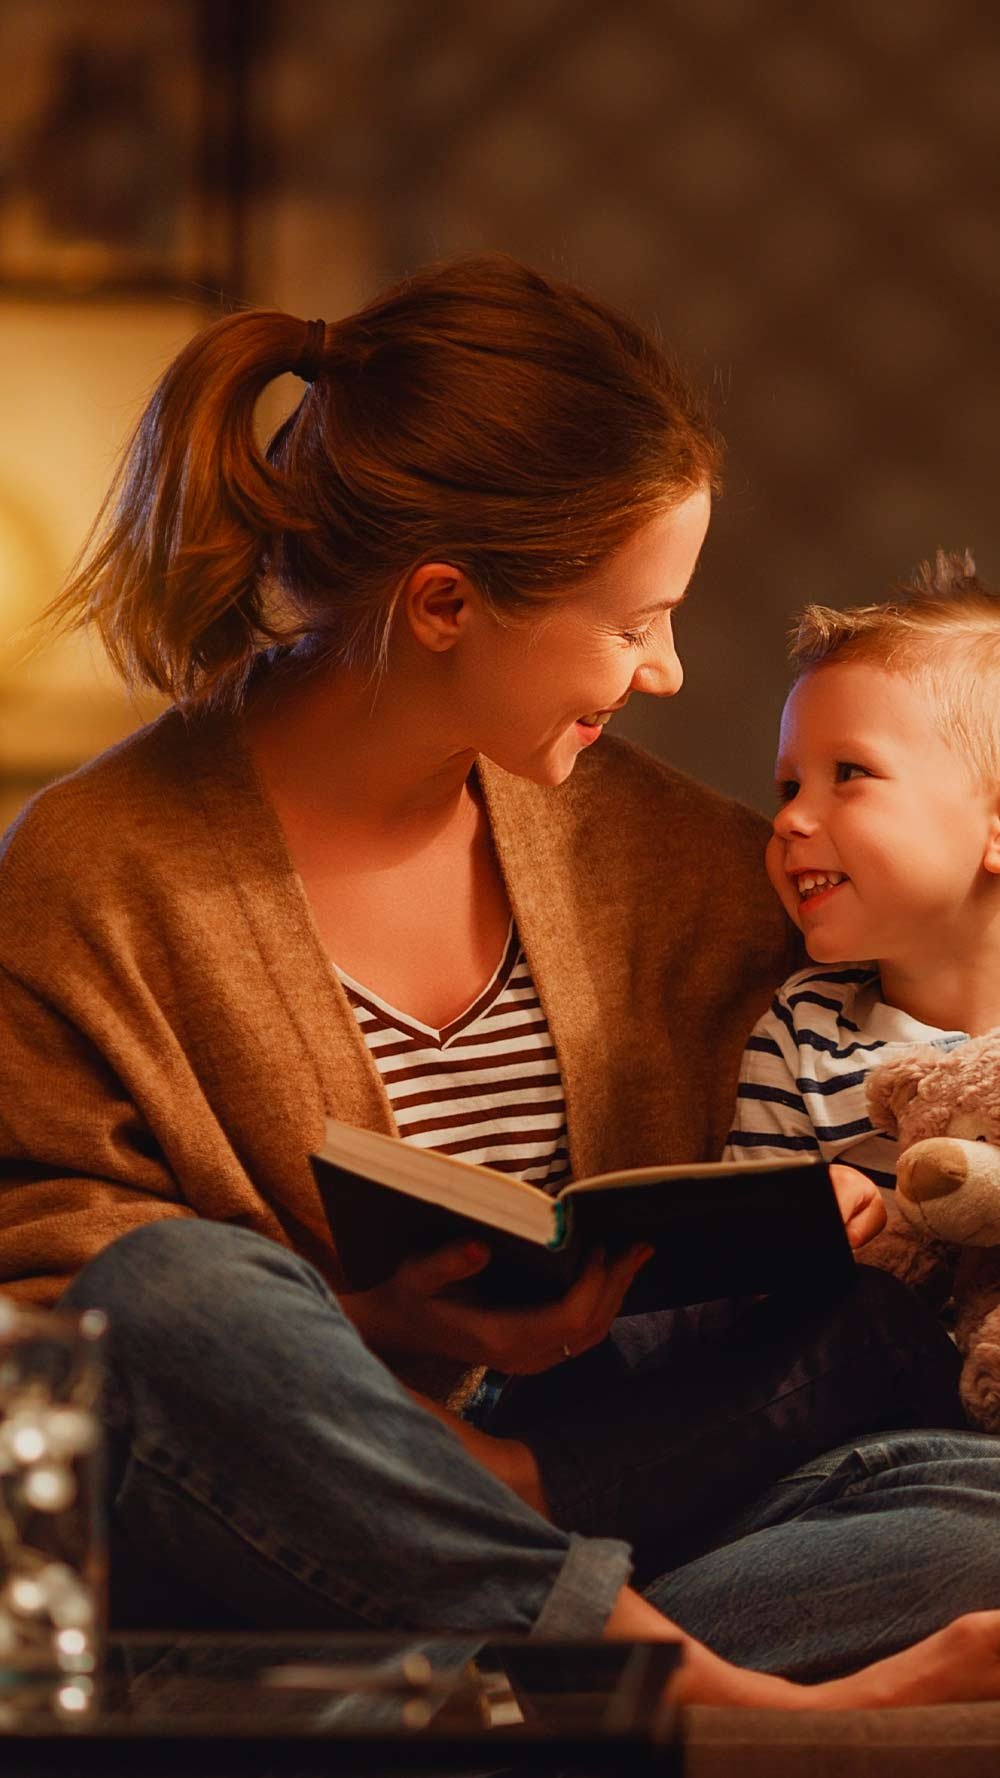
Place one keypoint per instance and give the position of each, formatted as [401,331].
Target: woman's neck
[331,745]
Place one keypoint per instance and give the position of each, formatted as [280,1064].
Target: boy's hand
[860,1204]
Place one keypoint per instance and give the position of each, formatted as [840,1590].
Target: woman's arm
[78,1163]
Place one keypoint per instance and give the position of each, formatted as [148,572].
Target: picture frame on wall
[123,152]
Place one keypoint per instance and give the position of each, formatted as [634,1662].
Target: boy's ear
[991,856]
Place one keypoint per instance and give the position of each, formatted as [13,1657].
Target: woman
[288,898]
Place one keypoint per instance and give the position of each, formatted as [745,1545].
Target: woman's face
[544,688]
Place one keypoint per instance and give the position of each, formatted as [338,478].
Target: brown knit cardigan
[172,1033]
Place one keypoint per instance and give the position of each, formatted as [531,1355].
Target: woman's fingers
[583,1317]
[429,1273]
[521,1340]
[617,1280]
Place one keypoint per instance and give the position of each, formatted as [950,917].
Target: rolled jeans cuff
[589,1582]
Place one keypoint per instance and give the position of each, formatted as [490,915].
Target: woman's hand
[409,1312]
[860,1204]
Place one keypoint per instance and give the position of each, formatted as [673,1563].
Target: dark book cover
[730,1230]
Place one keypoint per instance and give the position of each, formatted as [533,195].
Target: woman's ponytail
[478,414]
[172,575]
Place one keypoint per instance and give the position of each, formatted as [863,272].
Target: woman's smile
[590,729]
[595,722]
[544,679]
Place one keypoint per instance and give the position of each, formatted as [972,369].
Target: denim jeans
[266,1470]
[679,1419]
[854,1556]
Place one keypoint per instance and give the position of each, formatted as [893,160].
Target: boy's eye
[848,769]
[787,789]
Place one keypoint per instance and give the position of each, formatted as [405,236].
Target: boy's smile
[886,846]
[814,886]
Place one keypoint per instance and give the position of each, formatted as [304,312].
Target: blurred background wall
[803,200]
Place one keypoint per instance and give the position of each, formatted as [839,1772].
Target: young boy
[886,854]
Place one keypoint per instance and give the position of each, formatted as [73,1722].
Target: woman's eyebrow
[659,605]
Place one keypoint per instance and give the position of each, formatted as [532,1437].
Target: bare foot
[957,1665]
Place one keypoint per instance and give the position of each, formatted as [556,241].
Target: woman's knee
[175,1269]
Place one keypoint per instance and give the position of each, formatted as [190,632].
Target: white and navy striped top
[802,1081]
[486,1088]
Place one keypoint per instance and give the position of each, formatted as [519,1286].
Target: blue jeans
[680,1419]
[853,1557]
[266,1470]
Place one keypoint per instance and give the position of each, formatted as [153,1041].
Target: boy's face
[886,846]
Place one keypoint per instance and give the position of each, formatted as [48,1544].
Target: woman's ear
[436,599]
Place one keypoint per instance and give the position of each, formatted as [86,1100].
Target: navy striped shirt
[802,1081]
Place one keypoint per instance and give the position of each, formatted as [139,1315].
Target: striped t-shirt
[487,1088]
[802,1081]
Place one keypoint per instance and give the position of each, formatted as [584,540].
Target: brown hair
[941,629]
[477,413]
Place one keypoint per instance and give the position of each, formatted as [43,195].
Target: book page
[686,1170]
[436,1178]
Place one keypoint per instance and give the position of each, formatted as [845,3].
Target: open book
[719,1228]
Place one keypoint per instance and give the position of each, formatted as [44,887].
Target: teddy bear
[943,1234]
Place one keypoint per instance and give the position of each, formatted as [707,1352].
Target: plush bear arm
[977,1335]
[891,1086]
[927,1266]
[977,1291]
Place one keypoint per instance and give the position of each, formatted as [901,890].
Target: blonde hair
[940,630]
[477,413]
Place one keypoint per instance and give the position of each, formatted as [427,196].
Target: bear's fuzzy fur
[943,1234]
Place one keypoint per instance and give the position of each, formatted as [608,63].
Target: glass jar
[52,1538]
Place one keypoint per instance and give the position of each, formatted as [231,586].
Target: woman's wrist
[368,1317]
[394,1329]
